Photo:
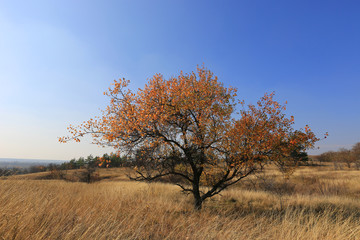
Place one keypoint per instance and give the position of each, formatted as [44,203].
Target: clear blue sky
[58,57]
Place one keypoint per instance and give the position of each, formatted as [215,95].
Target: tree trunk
[196,192]
[198,203]
[348,164]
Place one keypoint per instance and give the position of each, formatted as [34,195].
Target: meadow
[314,203]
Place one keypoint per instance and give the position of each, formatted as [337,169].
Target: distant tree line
[105,161]
[90,162]
[348,157]
[12,171]
[6,171]
[298,157]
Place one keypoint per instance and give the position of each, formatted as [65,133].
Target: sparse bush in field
[327,156]
[338,165]
[287,164]
[89,175]
[57,174]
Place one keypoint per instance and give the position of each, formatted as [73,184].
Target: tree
[346,156]
[356,150]
[186,127]
[328,156]
[288,162]
[356,154]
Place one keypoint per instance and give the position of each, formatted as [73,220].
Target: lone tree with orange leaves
[187,128]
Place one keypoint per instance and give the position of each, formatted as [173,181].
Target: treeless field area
[315,203]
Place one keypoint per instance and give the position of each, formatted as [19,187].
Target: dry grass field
[315,203]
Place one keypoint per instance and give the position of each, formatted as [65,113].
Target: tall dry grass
[310,205]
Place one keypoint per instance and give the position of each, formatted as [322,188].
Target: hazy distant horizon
[26,163]
[30,159]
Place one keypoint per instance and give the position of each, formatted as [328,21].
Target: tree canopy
[187,126]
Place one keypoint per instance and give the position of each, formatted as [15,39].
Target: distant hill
[25,163]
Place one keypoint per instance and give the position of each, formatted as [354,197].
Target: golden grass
[321,205]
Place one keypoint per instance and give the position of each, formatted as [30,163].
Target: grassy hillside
[314,204]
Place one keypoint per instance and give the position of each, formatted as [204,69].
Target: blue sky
[58,57]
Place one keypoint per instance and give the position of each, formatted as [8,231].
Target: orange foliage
[189,120]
